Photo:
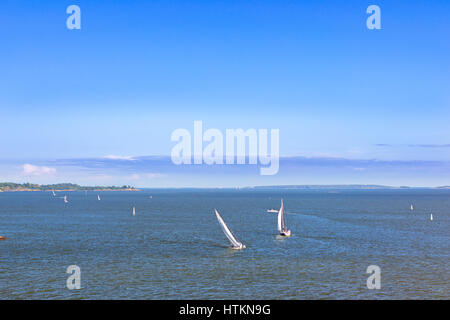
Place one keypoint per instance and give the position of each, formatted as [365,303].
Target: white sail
[98,197]
[234,242]
[134,211]
[281,226]
[431,217]
[412,207]
[53,191]
[65,199]
[280,216]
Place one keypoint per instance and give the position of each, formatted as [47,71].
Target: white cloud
[114,157]
[33,170]
[136,176]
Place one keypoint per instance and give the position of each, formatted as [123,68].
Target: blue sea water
[173,248]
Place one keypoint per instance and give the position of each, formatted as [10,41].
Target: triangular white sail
[134,211]
[412,207]
[280,215]
[53,191]
[234,242]
[281,223]
[98,197]
[281,226]
[431,217]
[65,199]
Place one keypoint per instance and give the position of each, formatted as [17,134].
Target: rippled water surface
[174,248]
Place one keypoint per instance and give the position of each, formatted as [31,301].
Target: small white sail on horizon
[98,197]
[412,207]
[235,243]
[431,217]
[134,211]
[281,223]
[65,199]
[53,192]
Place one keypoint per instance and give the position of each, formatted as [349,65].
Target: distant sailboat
[53,192]
[431,217]
[412,207]
[272,210]
[281,224]
[235,244]
[65,199]
[98,197]
[134,211]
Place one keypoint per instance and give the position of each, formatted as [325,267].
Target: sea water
[173,248]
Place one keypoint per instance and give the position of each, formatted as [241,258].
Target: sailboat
[431,217]
[53,192]
[412,207]
[98,197]
[235,244]
[281,224]
[65,199]
[134,211]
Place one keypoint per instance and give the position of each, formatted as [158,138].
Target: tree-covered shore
[11,186]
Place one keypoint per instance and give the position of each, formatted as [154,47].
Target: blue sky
[137,70]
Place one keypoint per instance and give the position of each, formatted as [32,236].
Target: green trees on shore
[10,186]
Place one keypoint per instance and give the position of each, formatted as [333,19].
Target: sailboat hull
[286,233]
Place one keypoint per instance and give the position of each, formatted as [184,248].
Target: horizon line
[280,186]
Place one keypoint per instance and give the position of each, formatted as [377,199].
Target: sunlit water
[173,248]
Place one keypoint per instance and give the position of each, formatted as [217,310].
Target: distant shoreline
[68,190]
[344,187]
[68,187]
[60,187]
